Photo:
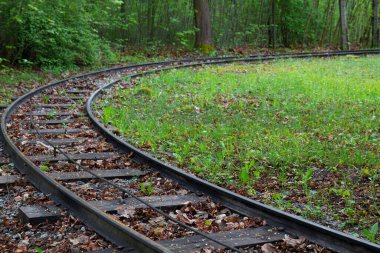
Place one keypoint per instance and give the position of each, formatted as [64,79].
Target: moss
[144,91]
[207,48]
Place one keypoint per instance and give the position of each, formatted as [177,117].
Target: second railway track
[55,139]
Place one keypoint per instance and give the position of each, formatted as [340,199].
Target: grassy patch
[302,135]
[15,82]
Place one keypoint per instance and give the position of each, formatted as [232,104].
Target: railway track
[133,199]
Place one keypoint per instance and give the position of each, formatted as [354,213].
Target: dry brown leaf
[293,242]
[269,248]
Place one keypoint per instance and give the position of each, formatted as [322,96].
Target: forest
[92,32]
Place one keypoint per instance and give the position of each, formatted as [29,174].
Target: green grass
[12,80]
[291,131]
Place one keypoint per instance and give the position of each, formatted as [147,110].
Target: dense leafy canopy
[82,32]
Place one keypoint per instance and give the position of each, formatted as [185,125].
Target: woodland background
[90,32]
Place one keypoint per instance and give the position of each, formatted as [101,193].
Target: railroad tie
[65,98]
[55,142]
[55,105]
[156,201]
[36,214]
[80,175]
[84,156]
[84,175]
[53,113]
[234,238]
[79,91]
[48,122]
[54,131]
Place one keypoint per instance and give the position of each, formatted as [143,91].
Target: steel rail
[129,193]
[112,230]
[317,233]
[93,217]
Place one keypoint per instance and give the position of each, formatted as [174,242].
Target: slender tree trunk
[326,19]
[273,23]
[151,15]
[343,25]
[375,23]
[202,18]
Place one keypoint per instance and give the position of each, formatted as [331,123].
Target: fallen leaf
[269,248]
[294,242]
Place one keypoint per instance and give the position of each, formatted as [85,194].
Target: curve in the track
[124,236]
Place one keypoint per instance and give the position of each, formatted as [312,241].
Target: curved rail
[127,237]
[314,232]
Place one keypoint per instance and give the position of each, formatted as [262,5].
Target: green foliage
[186,38]
[11,78]
[53,33]
[39,250]
[244,175]
[44,167]
[244,172]
[147,189]
[300,121]
[45,98]
[144,91]
[65,34]
[307,176]
[371,233]
[52,114]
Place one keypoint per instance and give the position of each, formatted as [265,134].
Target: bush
[55,33]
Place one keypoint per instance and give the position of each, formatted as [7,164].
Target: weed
[305,178]
[208,223]
[371,233]
[44,168]
[147,189]
[45,98]
[51,114]
[62,92]
[244,173]
[39,250]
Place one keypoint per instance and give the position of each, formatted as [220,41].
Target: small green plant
[278,198]
[51,114]
[45,98]
[208,223]
[147,189]
[244,173]
[371,233]
[307,176]
[62,92]
[44,168]
[39,250]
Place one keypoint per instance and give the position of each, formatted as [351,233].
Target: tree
[343,25]
[203,38]
[272,25]
[375,23]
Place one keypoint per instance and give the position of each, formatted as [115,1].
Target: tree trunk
[273,24]
[202,18]
[343,25]
[375,23]
[151,15]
